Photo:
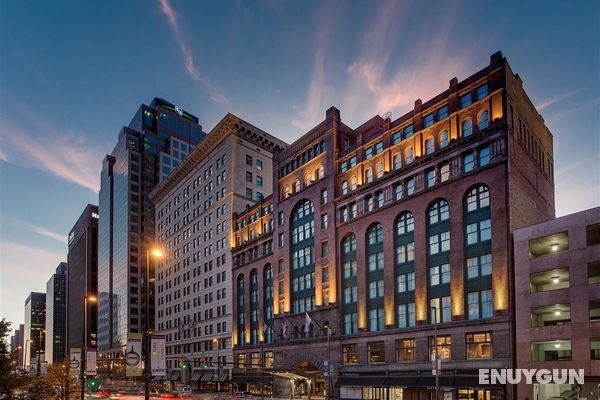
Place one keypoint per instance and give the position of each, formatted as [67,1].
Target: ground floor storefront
[408,387]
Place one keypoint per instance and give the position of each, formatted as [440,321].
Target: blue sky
[72,73]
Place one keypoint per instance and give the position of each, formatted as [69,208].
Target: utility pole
[436,361]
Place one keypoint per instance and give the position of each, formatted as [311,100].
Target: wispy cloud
[67,155]
[188,60]
[313,106]
[555,99]
[42,230]
[581,107]
[380,82]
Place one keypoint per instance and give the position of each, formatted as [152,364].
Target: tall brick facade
[379,230]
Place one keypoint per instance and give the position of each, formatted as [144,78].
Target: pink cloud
[188,60]
[69,156]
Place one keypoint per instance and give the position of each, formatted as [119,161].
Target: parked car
[186,389]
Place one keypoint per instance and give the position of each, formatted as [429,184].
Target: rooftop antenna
[387,115]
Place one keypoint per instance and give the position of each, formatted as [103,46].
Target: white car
[186,389]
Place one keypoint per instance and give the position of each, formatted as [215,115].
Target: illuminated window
[444,346]
[296,185]
[353,183]
[479,345]
[557,350]
[320,172]
[406,350]
[376,352]
[349,354]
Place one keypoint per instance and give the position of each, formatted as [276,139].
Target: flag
[307,321]
[285,329]
[157,355]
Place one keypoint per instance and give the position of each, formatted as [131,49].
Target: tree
[10,378]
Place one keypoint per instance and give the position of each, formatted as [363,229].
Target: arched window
[467,127]
[429,146]
[268,302]
[405,223]
[478,197]
[254,307]
[344,188]
[296,185]
[353,183]
[438,211]
[379,170]
[369,175]
[409,155]
[320,172]
[404,243]
[375,282]
[302,256]
[443,139]
[241,305]
[483,121]
[286,191]
[375,234]
[308,179]
[348,250]
[397,161]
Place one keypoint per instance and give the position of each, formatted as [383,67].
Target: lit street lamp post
[218,365]
[147,367]
[82,366]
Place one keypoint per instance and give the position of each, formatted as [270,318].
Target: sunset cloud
[555,99]
[188,60]
[68,155]
[41,230]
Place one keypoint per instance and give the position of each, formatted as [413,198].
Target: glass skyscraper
[158,138]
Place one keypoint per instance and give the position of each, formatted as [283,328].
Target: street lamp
[82,366]
[156,253]
[435,357]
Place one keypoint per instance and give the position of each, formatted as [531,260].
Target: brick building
[558,302]
[380,230]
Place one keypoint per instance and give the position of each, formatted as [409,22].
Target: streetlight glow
[156,253]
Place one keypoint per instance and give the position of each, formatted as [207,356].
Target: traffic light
[185,366]
[205,365]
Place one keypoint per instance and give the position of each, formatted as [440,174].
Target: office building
[557,303]
[231,169]
[384,233]
[35,328]
[157,139]
[82,279]
[56,305]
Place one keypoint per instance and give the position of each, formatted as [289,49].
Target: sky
[73,73]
